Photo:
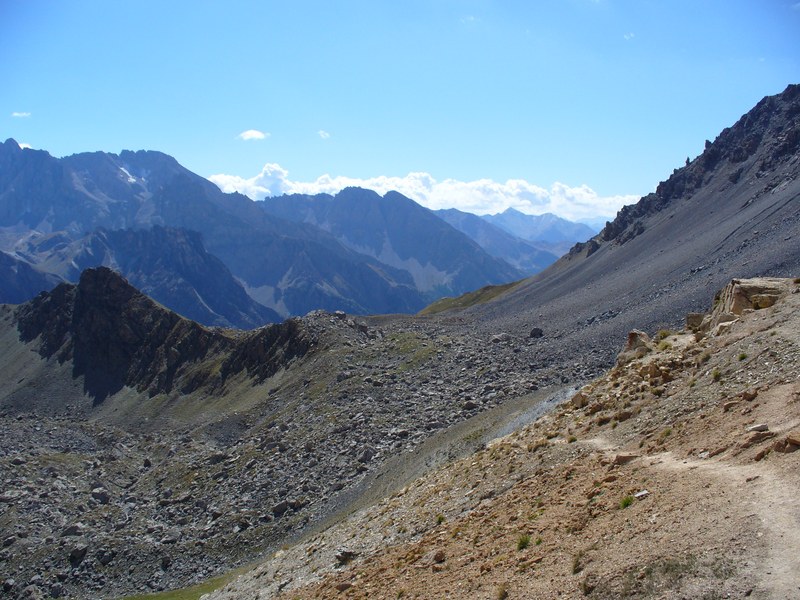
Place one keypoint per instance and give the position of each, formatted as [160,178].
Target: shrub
[625,503]
[716,375]
[523,542]
[742,355]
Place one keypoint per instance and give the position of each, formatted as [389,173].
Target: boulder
[77,554]
[101,495]
[637,346]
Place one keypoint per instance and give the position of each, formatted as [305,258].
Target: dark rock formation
[116,336]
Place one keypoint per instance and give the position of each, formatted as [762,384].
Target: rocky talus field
[674,475]
[144,452]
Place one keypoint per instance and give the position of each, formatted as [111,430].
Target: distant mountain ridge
[21,280]
[170,265]
[289,266]
[398,232]
[547,228]
[527,256]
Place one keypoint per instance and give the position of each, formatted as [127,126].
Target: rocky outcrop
[762,140]
[115,336]
[738,297]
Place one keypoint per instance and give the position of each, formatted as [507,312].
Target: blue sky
[573,106]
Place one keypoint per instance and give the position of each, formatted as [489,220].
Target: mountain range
[547,230]
[525,254]
[225,260]
[161,453]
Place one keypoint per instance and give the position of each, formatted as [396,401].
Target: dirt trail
[773,499]
[758,491]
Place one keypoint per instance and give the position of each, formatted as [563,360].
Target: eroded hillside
[674,475]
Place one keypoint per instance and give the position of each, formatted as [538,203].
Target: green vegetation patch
[190,593]
[413,349]
[481,296]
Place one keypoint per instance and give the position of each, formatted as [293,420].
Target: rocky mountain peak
[759,142]
[10,145]
[115,336]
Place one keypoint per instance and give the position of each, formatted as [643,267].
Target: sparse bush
[502,592]
[572,439]
[538,541]
[716,375]
[439,519]
[524,541]
[624,503]
[742,356]
[663,334]
[664,345]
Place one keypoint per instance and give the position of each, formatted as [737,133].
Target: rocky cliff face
[723,216]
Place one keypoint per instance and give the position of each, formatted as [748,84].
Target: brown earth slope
[673,476]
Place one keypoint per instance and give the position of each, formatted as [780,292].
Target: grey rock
[77,554]
[101,495]
[72,530]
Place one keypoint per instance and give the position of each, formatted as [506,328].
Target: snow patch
[131,178]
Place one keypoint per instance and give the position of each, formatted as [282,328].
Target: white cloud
[252,134]
[23,145]
[323,134]
[20,115]
[483,196]
[629,36]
